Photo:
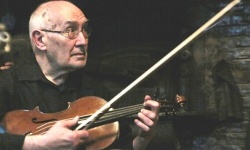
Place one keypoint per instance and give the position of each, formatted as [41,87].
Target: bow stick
[86,124]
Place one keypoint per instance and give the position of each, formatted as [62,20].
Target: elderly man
[59,38]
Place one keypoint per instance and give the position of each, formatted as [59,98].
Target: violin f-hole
[34,120]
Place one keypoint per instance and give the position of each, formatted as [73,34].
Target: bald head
[51,14]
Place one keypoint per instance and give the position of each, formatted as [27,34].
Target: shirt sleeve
[11,141]
[7,141]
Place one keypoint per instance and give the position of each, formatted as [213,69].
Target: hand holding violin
[148,118]
[54,130]
[60,136]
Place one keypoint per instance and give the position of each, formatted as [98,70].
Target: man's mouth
[78,54]
[81,53]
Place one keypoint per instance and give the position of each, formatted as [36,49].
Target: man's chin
[78,66]
[75,66]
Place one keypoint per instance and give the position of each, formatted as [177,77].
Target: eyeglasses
[71,33]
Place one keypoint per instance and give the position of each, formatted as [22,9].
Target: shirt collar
[32,72]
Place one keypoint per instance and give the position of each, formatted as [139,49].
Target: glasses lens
[73,34]
[86,32]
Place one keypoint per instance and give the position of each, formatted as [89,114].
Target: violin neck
[114,115]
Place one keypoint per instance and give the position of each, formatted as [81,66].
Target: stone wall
[228,41]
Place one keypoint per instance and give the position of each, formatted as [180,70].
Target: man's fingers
[69,123]
[153,105]
[141,125]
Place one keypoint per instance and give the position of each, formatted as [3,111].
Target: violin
[35,122]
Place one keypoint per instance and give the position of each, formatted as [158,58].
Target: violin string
[45,127]
[122,111]
[119,111]
[41,130]
[115,114]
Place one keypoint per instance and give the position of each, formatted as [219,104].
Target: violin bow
[87,123]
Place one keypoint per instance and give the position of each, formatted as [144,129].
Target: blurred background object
[5,39]
[5,47]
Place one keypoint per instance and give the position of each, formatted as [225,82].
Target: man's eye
[71,30]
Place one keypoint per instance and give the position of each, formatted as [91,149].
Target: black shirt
[25,87]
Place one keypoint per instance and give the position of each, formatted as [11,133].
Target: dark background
[116,23]
[128,36]
[119,23]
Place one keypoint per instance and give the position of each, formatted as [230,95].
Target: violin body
[35,122]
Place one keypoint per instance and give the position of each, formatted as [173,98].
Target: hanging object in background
[5,39]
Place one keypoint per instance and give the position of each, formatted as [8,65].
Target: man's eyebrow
[75,22]
[71,23]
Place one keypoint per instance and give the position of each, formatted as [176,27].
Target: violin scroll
[170,107]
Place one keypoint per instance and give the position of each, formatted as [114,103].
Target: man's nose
[81,39]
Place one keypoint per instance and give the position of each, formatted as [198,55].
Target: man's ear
[38,37]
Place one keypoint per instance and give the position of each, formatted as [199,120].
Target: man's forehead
[64,20]
[80,21]
[84,21]
[57,14]
[60,9]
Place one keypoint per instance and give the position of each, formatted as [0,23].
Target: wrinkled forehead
[60,14]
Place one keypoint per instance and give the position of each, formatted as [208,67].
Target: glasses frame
[66,33]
